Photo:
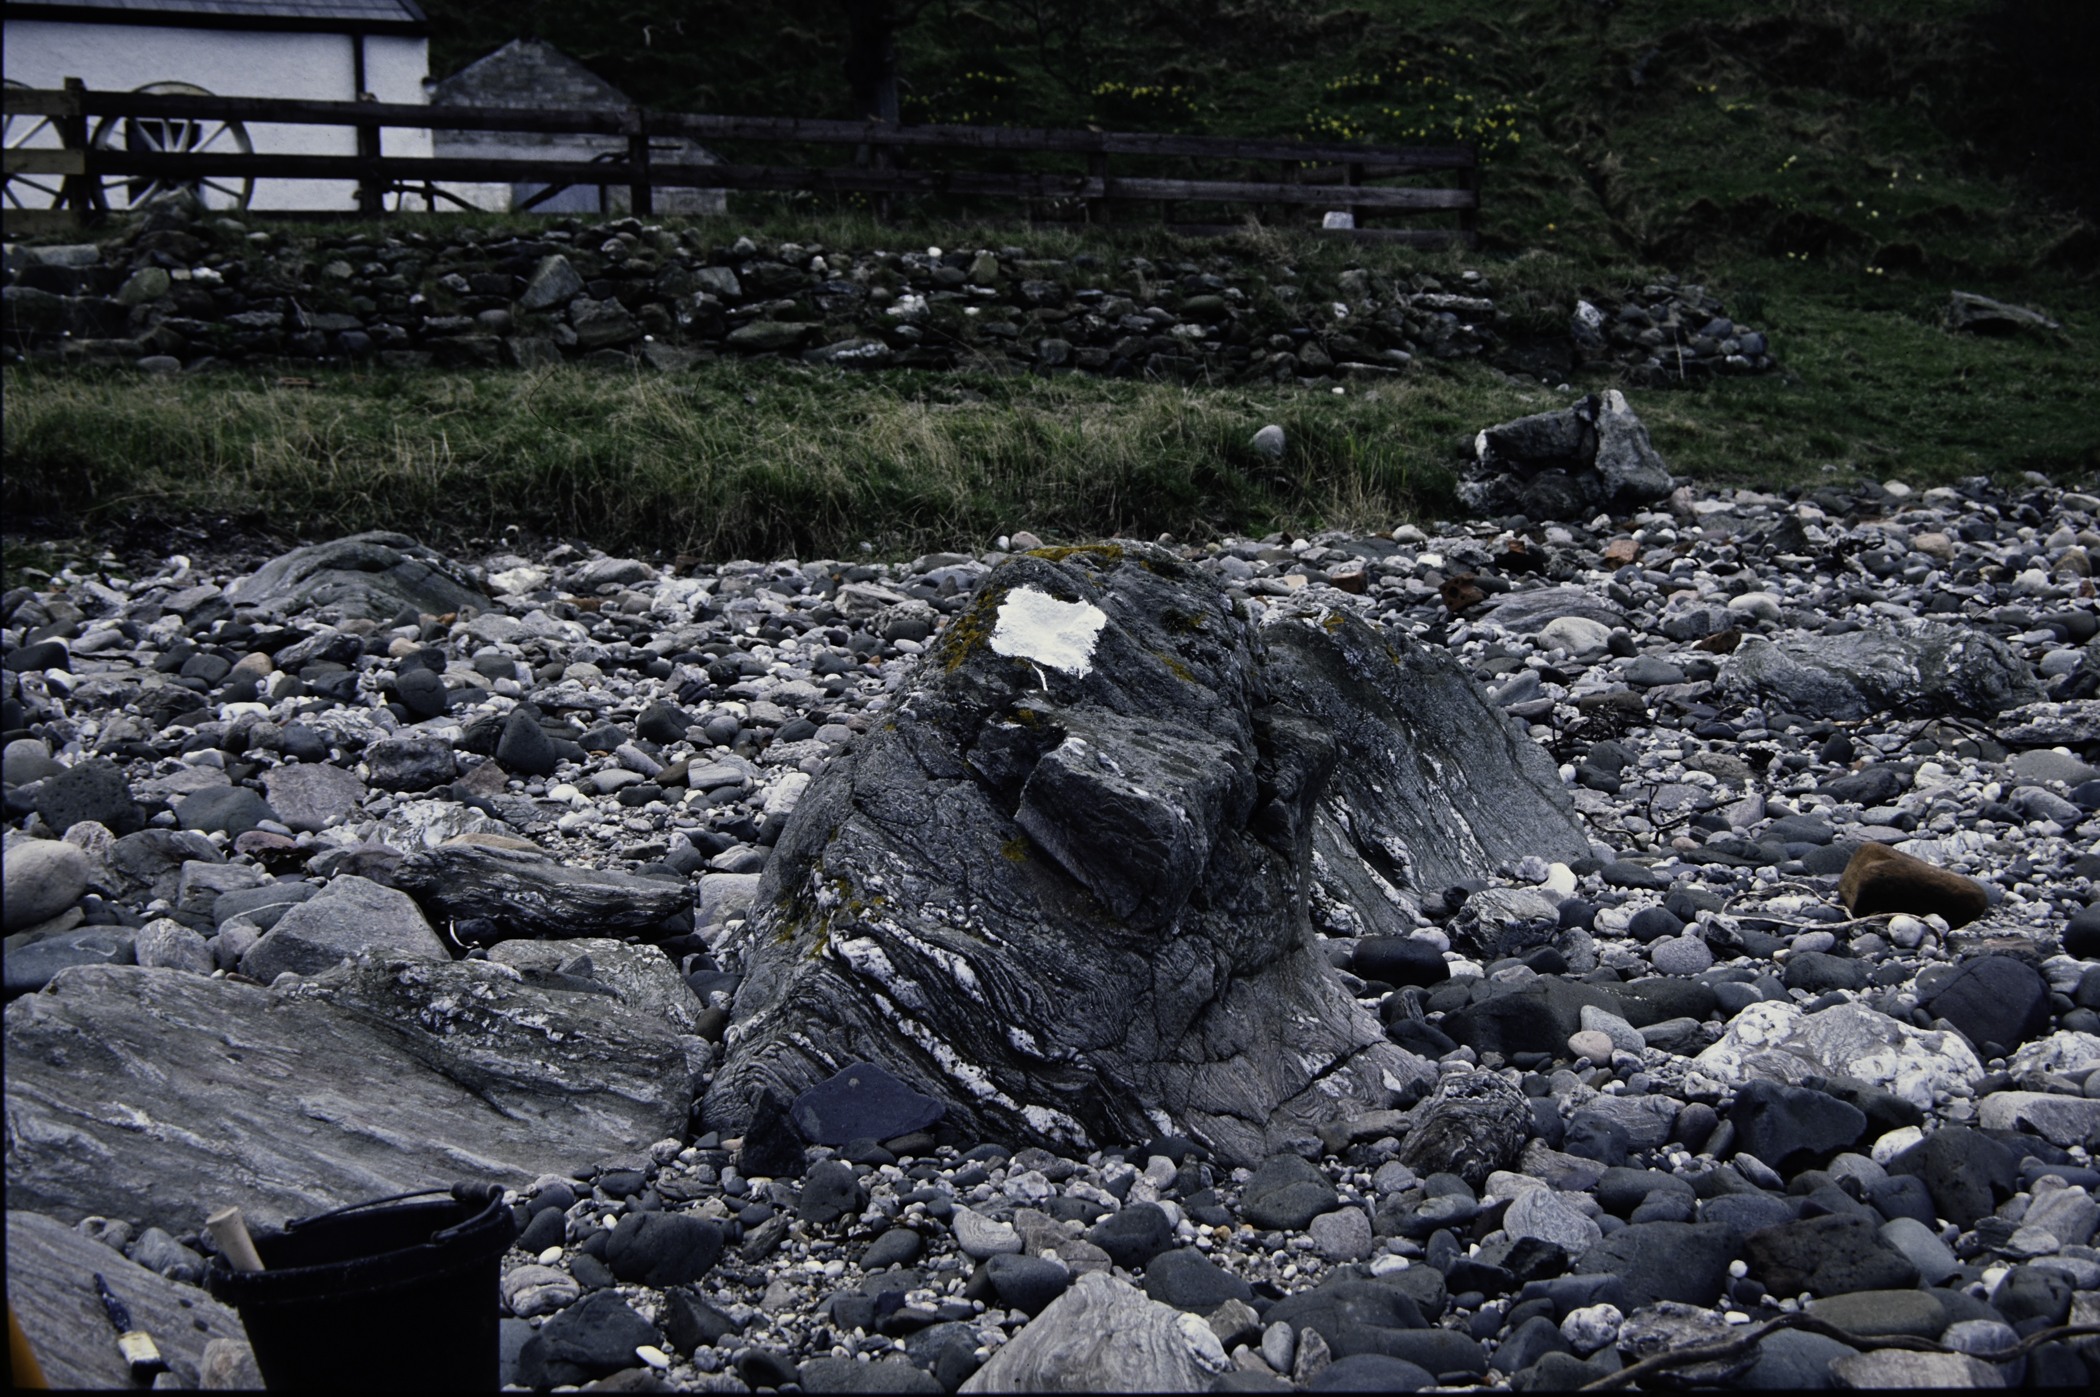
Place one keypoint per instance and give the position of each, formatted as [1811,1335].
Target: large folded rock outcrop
[146,1095]
[1068,887]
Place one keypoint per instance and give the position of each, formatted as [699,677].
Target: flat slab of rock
[1067,890]
[51,1270]
[530,895]
[312,796]
[2051,724]
[146,1095]
[370,576]
[1528,612]
[1922,667]
[1896,1368]
[642,976]
[1980,315]
[2061,1120]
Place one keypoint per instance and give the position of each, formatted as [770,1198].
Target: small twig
[1736,1347]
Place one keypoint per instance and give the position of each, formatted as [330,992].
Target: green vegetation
[1830,170]
[762,459]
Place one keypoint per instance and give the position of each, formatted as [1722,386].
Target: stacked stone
[1667,333]
[175,295]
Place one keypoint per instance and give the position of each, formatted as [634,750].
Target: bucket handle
[465,1191]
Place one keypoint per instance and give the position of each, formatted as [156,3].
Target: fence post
[1353,176]
[81,192]
[879,157]
[1469,218]
[371,190]
[640,199]
[1286,173]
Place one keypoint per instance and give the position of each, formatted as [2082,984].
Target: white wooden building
[317,50]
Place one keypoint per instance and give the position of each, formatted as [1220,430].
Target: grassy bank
[734,460]
[766,458]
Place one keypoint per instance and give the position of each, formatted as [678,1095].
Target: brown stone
[1621,551]
[1881,879]
[1348,579]
[1460,593]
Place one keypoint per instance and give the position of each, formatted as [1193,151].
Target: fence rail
[1316,174]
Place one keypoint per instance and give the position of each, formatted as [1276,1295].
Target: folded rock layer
[1067,889]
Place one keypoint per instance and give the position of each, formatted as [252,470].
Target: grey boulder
[1916,667]
[150,862]
[370,576]
[166,944]
[1980,315]
[41,878]
[33,966]
[554,282]
[1067,890]
[350,915]
[1594,453]
[231,809]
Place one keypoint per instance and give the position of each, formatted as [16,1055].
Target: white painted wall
[317,67]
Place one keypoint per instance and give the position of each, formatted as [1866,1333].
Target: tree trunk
[871,58]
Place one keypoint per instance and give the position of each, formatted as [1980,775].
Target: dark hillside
[1924,132]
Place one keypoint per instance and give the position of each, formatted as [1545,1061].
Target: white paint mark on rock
[1033,625]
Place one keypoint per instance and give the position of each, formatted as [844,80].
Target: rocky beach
[1495,954]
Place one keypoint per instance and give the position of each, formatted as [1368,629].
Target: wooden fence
[1301,176]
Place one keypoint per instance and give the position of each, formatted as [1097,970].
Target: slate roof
[320,16]
[528,73]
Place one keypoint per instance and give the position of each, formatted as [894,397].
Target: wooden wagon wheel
[154,134]
[32,133]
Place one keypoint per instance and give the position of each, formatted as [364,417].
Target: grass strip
[767,458]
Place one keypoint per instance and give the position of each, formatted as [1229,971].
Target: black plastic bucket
[377,1298]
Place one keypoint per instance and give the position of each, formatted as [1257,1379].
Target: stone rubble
[172,293]
[1704,1075]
